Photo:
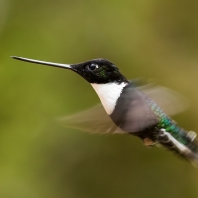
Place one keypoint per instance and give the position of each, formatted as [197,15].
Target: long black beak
[65,66]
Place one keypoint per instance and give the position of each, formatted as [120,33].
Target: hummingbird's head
[102,74]
[97,71]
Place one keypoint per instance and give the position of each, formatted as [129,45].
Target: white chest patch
[108,94]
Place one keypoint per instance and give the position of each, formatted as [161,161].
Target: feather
[95,119]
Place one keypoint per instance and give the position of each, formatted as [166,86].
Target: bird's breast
[109,94]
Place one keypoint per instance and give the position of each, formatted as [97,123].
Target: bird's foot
[148,142]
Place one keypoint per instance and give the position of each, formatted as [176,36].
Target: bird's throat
[109,94]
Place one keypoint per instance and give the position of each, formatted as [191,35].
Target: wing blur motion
[93,120]
[170,101]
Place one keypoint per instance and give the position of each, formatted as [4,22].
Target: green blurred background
[38,158]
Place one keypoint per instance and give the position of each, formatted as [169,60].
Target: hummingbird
[129,108]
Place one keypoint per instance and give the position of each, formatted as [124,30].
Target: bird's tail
[188,151]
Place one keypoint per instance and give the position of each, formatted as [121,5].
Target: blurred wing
[170,101]
[93,120]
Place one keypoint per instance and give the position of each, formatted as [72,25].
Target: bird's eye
[92,67]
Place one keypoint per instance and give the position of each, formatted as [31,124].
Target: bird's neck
[109,94]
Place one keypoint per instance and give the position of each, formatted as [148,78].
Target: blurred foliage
[151,39]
